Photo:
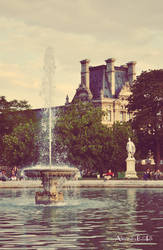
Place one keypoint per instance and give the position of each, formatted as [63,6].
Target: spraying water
[47,92]
[52,177]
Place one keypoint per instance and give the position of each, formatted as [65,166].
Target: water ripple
[94,219]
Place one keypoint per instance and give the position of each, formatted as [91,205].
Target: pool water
[94,218]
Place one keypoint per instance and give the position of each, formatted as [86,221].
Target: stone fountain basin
[54,171]
[49,177]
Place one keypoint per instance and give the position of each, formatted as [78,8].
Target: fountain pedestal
[47,198]
[50,193]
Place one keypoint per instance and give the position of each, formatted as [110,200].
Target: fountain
[49,175]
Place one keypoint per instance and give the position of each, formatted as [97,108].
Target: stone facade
[107,86]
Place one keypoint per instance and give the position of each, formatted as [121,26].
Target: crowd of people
[14,173]
[148,175]
[152,175]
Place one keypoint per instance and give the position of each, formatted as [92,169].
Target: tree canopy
[20,147]
[120,133]
[18,126]
[12,113]
[80,136]
[82,140]
[146,101]
[13,105]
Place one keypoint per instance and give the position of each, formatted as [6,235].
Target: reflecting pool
[87,219]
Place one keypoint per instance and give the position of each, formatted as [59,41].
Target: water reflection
[88,219]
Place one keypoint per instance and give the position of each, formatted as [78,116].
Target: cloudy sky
[127,30]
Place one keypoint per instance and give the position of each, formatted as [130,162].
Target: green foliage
[80,136]
[147,103]
[13,105]
[20,147]
[12,113]
[82,140]
[120,134]
[18,126]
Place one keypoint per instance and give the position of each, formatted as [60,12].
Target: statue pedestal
[130,168]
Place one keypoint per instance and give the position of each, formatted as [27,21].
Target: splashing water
[53,177]
[47,93]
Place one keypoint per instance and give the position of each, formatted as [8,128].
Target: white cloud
[76,29]
[12,76]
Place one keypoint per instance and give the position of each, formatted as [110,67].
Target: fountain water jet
[49,174]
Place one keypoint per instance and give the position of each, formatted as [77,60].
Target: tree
[120,133]
[17,125]
[20,148]
[12,113]
[146,101]
[13,105]
[81,139]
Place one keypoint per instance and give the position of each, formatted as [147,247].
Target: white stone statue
[130,148]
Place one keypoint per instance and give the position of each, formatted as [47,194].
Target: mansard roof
[99,80]
[106,81]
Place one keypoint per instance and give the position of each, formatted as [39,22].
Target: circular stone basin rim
[54,170]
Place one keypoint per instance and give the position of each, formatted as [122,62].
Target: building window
[109,115]
[128,116]
[122,116]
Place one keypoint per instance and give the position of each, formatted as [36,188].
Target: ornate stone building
[107,86]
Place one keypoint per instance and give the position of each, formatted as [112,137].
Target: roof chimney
[85,72]
[131,72]
[111,73]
